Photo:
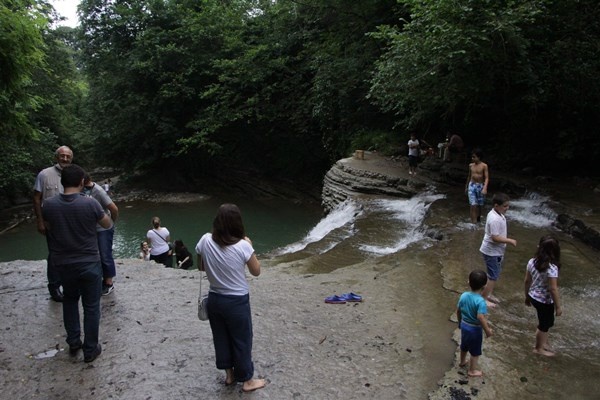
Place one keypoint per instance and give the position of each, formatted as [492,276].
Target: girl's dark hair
[548,252]
[228,227]
[179,244]
[155,222]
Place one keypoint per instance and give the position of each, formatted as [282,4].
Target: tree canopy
[519,76]
[283,88]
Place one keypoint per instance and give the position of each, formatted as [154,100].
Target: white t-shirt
[539,289]
[495,225]
[413,151]
[158,243]
[225,266]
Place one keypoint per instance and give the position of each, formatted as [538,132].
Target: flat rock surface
[156,348]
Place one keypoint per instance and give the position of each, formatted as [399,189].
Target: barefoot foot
[493,299]
[253,384]
[489,304]
[544,352]
[475,374]
[463,364]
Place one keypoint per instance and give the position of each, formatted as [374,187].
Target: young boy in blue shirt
[471,313]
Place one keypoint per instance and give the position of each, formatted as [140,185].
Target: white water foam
[532,210]
[341,217]
[410,214]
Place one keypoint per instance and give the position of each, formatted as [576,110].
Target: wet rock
[458,394]
[579,230]
[374,175]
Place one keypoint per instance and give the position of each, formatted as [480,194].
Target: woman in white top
[158,239]
[224,254]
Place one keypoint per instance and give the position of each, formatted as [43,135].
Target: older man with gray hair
[47,185]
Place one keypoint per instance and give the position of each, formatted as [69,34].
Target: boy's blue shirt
[470,304]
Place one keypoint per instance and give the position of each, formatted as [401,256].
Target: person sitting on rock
[183,256]
[144,251]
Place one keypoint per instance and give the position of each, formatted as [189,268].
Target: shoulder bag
[202,302]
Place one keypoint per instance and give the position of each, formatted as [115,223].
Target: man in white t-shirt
[413,154]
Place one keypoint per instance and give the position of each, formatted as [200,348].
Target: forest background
[193,91]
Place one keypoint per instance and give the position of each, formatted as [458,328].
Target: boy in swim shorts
[477,183]
[471,312]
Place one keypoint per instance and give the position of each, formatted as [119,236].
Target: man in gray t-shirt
[47,185]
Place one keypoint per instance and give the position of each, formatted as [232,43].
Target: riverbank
[398,343]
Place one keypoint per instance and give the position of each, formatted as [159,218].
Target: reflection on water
[269,224]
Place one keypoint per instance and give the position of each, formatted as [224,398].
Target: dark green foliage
[252,84]
[204,88]
[519,77]
[40,92]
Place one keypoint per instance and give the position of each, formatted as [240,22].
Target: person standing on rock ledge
[105,236]
[493,245]
[541,290]
[47,185]
[413,154]
[70,224]
[477,184]
[224,254]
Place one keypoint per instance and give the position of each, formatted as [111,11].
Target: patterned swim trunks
[476,198]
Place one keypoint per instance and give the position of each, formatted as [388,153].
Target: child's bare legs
[253,384]
[541,344]
[487,293]
[475,213]
[463,359]
[473,371]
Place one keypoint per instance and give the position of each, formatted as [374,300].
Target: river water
[431,247]
[269,223]
[430,274]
